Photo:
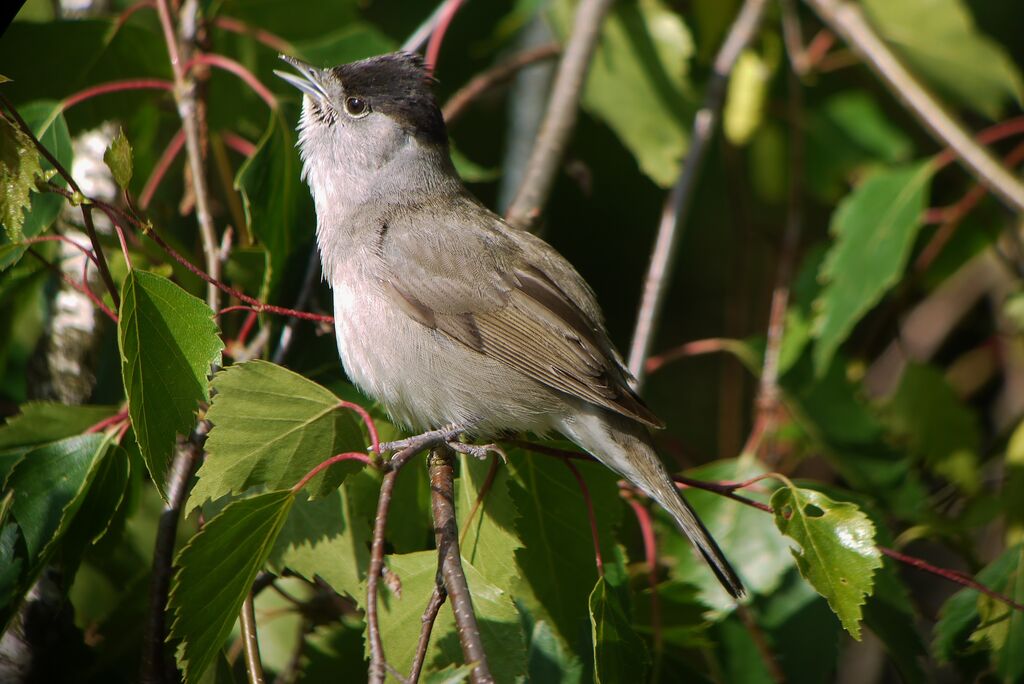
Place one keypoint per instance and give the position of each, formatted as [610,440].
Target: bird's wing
[509,296]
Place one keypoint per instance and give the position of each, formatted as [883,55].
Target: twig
[115,87]
[155,669]
[90,228]
[444,19]
[677,205]
[437,600]
[847,20]
[250,642]
[496,75]
[188,109]
[378,665]
[442,496]
[695,348]
[767,400]
[643,519]
[323,465]
[231,66]
[271,40]
[485,488]
[168,156]
[560,118]
[82,287]
[309,281]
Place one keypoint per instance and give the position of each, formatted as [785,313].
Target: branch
[155,669]
[560,118]
[309,282]
[847,20]
[437,600]
[677,205]
[444,19]
[188,110]
[250,642]
[496,75]
[442,494]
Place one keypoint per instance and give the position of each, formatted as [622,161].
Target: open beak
[308,80]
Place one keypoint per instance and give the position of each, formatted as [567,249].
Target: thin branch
[90,228]
[437,600]
[155,667]
[591,518]
[423,32]
[444,19]
[457,104]
[167,158]
[82,287]
[560,118]
[115,87]
[231,66]
[643,519]
[250,642]
[378,664]
[309,283]
[323,465]
[677,205]
[271,40]
[185,92]
[239,144]
[847,19]
[442,496]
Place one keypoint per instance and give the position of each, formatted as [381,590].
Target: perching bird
[444,313]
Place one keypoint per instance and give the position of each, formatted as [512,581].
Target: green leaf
[1001,626]
[270,427]
[19,169]
[744,100]
[450,675]
[278,210]
[874,228]
[46,120]
[937,427]
[746,536]
[548,658]
[642,57]
[40,422]
[940,41]
[326,538]
[837,552]
[620,655]
[500,628]
[216,570]
[118,158]
[168,343]
[555,533]
[487,519]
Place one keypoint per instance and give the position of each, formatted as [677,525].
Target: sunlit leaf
[837,552]
[118,159]
[168,343]
[215,573]
[19,170]
[619,653]
[745,97]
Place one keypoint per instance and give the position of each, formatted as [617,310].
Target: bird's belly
[425,379]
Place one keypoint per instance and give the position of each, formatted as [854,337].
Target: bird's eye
[356,106]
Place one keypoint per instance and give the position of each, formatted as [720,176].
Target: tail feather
[623,446]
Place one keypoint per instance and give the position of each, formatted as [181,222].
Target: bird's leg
[479,451]
[426,440]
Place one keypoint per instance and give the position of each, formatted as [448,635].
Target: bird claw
[420,442]
[480,451]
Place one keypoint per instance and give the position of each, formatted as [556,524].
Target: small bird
[444,313]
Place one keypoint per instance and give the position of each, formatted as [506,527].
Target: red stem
[1001,130]
[115,87]
[349,456]
[643,518]
[238,143]
[61,238]
[124,245]
[160,169]
[106,422]
[230,65]
[371,427]
[144,4]
[247,326]
[590,514]
[271,40]
[708,346]
[444,20]
[951,575]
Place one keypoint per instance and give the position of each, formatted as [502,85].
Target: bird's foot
[424,441]
[480,451]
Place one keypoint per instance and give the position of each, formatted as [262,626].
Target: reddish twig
[239,144]
[231,66]
[160,168]
[437,600]
[124,245]
[591,518]
[951,575]
[371,427]
[484,489]
[695,348]
[123,17]
[460,101]
[444,20]
[987,136]
[643,519]
[81,287]
[61,238]
[271,40]
[118,417]
[115,87]
[323,465]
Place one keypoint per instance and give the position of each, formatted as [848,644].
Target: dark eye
[356,106]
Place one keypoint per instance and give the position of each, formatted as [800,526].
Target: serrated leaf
[42,421]
[118,159]
[556,563]
[19,169]
[326,538]
[500,628]
[978,72]
[168,343]
[549,659]
[277,205]
[46,119]
[487,529]
[619,653]
[216,570]
[837,552]
[1001,626]
[642,56]
[874,229]
[746,536]
[270,427]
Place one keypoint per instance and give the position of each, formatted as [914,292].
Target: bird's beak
[309,81]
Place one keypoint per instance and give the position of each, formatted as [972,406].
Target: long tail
[624,446]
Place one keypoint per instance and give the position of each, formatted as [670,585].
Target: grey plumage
[444,313]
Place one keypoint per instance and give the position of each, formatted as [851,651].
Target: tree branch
[442,495]
[677,205]
[847,20]
[437,600]
[250,642]
[560,118]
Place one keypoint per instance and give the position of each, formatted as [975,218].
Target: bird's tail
[624,446]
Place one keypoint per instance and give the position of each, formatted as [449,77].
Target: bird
[450,318]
